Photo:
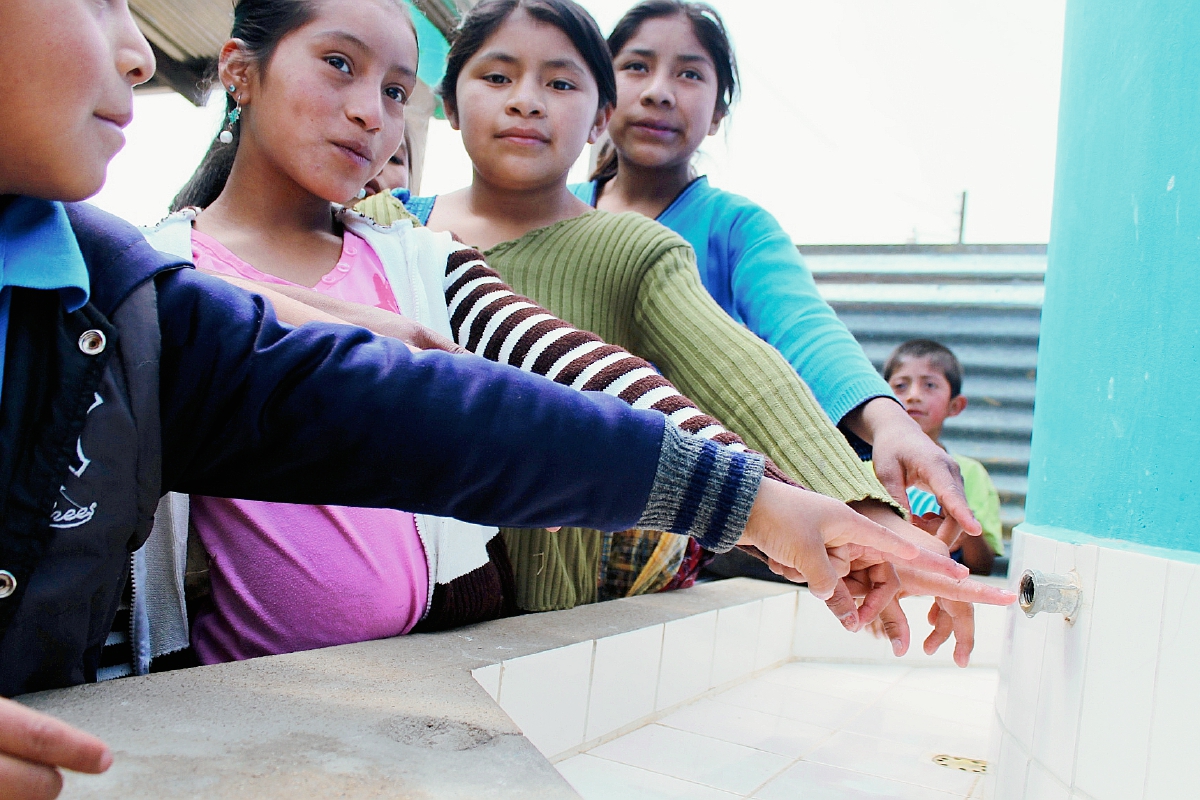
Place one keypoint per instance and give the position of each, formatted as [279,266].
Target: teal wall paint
[1116,445]
[432,47]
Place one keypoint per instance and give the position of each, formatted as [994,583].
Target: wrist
[874,417]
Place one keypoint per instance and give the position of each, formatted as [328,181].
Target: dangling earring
[226,136]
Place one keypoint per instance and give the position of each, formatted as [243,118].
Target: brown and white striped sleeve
[490,319]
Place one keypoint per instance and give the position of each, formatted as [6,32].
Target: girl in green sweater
[529,83]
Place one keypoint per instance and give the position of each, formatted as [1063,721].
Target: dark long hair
[569,17]
[714,37]
[261,24]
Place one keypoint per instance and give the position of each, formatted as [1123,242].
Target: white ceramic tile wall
[624,680]
[546,695]
[775,630]
[1012,770]
[737,639]
[1106,708]
[565,697]
[1118,681]
[1175,735]
[687,656]
[1060,696]
[1041,785]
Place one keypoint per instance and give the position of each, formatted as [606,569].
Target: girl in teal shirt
[676,79]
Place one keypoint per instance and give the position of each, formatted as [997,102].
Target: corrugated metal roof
[187,36]
[982,301]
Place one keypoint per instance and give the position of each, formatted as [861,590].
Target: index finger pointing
[42,739]
[862,531]
[929,561]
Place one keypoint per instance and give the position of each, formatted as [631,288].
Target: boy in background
[927,378]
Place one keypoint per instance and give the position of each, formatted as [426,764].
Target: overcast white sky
[861,121]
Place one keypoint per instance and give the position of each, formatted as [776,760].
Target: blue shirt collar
[38,250]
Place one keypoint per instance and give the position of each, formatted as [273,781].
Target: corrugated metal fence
[984,303]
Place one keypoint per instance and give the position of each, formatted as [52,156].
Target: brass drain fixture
[961,764]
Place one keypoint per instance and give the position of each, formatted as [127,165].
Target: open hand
[904,456]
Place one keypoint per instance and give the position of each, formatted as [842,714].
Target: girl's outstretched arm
[489,319]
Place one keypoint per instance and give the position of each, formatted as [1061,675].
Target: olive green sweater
[634,283]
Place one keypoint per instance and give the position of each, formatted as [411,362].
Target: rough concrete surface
[397,717]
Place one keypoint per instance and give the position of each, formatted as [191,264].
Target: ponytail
[606,163]
[208,181]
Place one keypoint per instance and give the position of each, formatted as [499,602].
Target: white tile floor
[816,731]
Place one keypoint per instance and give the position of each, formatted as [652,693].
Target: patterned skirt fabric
[642,562]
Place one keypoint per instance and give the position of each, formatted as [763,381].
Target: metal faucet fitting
[1054,593]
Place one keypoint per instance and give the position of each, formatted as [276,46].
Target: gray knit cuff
[702,490]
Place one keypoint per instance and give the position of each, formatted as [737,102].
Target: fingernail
[897,646]
[849,621]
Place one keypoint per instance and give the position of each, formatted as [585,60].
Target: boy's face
[70,67]
[922,387]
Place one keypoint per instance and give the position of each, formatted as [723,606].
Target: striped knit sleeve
[490,319]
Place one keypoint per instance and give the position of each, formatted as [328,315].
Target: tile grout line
[1083,669]
[587,707]
[818,745]
[1162,625]
[665,775]
[662,651]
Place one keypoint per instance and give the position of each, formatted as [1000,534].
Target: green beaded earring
[226,136]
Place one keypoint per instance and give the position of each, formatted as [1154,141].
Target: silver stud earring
[226,136]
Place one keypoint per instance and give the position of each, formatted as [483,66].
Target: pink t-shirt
[293,577]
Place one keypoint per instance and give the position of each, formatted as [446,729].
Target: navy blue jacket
[250,408]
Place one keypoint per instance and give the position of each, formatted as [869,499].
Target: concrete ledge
[396,717]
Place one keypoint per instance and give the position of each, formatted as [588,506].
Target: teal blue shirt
[38,251]
[752,269]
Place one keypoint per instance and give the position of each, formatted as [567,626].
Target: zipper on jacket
[117,653]
[133,599]
[422,535]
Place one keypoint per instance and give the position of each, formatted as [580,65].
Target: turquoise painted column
[1116,444]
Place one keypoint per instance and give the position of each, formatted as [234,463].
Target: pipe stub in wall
[1050,592]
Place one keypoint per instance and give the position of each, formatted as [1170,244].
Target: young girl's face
[69,70]
[666,95]
[527,105]
[327,108]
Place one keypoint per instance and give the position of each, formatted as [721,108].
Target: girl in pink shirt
[291,577]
